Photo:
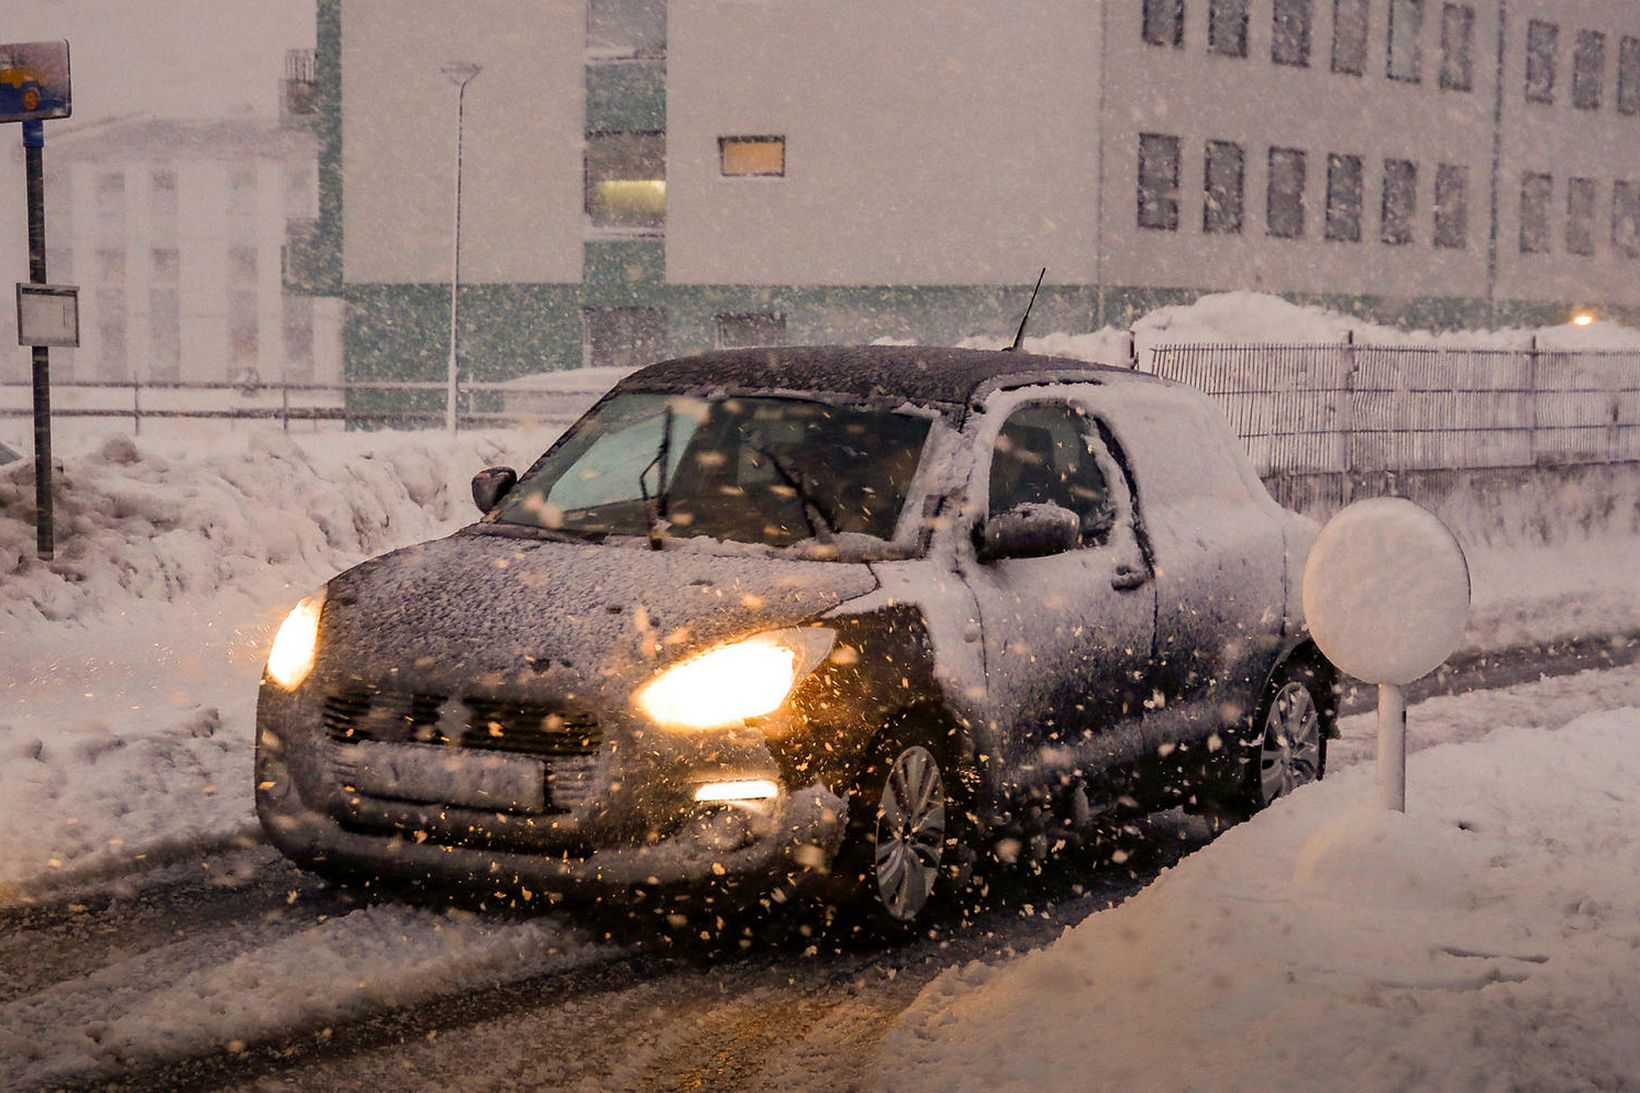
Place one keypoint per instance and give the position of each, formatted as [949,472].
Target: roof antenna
[1025,318]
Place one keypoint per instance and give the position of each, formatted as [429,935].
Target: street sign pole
[34,143]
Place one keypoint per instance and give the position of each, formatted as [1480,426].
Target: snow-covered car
[828,617]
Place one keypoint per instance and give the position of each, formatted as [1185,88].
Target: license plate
[446,775]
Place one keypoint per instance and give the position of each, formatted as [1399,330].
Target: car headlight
[297,640]
[731,683]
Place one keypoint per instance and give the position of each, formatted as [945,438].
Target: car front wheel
[1293,747]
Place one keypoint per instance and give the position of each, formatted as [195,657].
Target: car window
[1044,455]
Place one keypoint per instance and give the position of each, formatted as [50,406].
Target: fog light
[752,789]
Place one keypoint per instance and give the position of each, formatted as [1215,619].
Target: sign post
[1386,597]
[34,87]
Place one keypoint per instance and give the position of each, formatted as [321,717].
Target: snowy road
[231,969]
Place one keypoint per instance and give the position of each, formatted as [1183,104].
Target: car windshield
[766,470]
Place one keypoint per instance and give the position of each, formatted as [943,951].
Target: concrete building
[174,231]
[643,177]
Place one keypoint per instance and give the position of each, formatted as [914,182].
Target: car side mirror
[1029,531]
[491,484]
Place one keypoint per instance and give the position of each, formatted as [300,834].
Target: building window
[1588,69]
[1284,201]
[162,196]
[1222,208]
[298,330]
[1158,182]
[1580,202]
[241,189]
[624,337]
[1626,218]
[1349,44]
[110,204]
[1628,76]
[1451,206]
[1542,40]
[1457,47]
[1536,193]
[1227,27]
[626,28]
[1400,201]
[747,331]
[1164,22]
[626,180]
[1406,24]
[164,314]
[1290,25]
[740,157]
[242,265]
[1344,198]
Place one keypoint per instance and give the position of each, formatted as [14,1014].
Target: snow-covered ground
[1486,939]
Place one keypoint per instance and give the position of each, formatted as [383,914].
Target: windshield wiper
[654,509]
[822,524]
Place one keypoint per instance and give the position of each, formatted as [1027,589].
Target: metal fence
[1343,408]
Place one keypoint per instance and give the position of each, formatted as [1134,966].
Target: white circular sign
[1386,590]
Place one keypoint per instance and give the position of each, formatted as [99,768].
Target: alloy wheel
[1292,742]
[910,833]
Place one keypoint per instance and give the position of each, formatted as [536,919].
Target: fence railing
[1345,408]
[478,403]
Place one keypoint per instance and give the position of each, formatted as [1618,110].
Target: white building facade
[643,177]
[174,231]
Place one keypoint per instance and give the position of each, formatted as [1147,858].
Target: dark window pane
[1628,76]
[626,28]
[1580,202]
[1451,206]
[1457,47]
[1344,198]
[1400,201]
[1349,45]
[1225,173]
[1406,24]
[1536,192]
[1158,182]
[625,337]
[1542,40]
[1164,22]
[1284,203]
[748,330]
[1588,69]
[1626,218]
[1290,32]
[1227,27]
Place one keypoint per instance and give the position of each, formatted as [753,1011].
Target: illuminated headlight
[294,645]
[731,683]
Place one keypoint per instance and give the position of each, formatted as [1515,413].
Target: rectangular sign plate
[448,775]
[48,314]
[34,81]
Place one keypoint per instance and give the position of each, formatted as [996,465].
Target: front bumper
[621,818]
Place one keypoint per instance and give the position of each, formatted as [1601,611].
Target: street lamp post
[460,73]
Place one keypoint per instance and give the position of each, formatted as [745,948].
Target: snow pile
[1489,935]
[375,958]
[1256,317]
[132,522]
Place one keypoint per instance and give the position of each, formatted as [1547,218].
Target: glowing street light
[460,73]
[1583,318]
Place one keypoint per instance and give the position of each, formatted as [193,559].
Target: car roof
[919,374]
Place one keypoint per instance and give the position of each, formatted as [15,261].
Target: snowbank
[1256,317]
[1486,938]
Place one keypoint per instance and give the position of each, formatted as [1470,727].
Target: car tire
[1287,742]
[906,857]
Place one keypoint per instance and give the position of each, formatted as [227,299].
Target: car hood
[480,613]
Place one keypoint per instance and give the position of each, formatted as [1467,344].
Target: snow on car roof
[921,374]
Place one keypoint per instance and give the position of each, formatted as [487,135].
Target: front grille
[565,740]
[397,717]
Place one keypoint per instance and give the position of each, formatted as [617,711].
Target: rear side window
[1043,456]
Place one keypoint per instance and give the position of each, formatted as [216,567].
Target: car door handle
[1126,578]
